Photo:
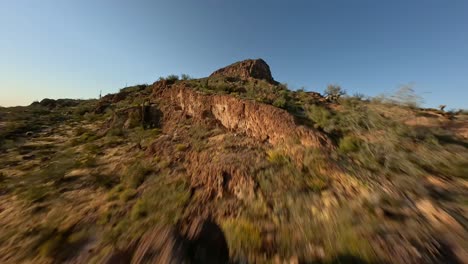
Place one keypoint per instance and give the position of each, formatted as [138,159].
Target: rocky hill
[232,168]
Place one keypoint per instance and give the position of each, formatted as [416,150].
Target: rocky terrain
[232,168]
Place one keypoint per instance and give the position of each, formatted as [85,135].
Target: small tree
[185,77]
[334,92]
[442,107]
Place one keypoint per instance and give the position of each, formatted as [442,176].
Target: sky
[75,49]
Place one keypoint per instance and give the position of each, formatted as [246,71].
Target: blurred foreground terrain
[233,168]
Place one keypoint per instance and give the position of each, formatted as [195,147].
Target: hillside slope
[233,167]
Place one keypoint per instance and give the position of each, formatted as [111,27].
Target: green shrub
[243,237]
[280,102]
[181,147]
[80,131]
[139,210]
[185,77]
[85,137]
[277,157]
[115,132]
[172,78]
[127,195]
[322,117]
[36,193]
[103,181]
[115,192]
[349,144]
[50,247]
[334,90]
[136,174]
[134,88]
[316,184]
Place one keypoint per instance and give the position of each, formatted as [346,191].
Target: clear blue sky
[74,49]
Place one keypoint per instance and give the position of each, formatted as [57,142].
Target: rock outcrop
[247,69]
[263,122]
[147,116]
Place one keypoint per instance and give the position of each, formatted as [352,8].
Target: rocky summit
[233,168]
[247,69]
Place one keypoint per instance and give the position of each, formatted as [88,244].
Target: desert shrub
[127,195]
[92,148]
[53,242]
[51,246]
[115,192]
[359,96]
[181,147]
[185,77]
[277,157]
[280,102]
[36,186]
[316,184]
[199,135]
[36,193]
[115,132]
[136,174]
[139,210]
[142,136]
[334,90]
[83,108]
[163,201]
[243,237]
[103,181]
[322,117]
[88,161]
[172,78]
[406,96]
[349,144]
[85,137]
[134,88]
[284,175]
[80,131]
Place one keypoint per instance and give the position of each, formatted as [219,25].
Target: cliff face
[263,122]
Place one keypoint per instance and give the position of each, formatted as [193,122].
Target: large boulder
[247,69]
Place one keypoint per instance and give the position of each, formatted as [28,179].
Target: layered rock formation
[260,121]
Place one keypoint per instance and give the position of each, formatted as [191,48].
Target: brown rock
[256,69]
[260,121]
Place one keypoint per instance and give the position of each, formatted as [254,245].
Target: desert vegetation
[354,179]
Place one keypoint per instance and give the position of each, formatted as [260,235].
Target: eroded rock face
[263,122]
[147,116]
[256,69]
